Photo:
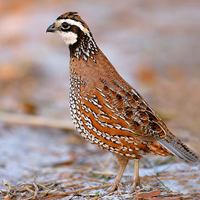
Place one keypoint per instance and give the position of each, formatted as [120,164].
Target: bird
[106,110]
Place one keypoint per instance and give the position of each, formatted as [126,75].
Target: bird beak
[52,28]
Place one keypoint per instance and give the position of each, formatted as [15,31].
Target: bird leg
[136,177]
[123,162]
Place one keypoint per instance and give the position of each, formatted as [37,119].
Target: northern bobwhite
[105,109]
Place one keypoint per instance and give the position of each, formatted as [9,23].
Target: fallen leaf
[148,195]
[167,198]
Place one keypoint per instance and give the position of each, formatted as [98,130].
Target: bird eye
[65,25]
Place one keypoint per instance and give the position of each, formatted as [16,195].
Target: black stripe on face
[73,28]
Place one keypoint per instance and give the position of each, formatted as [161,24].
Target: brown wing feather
[145,123]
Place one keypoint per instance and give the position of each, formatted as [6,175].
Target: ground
[155,46]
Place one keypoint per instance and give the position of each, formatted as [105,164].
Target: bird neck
[87,59]
[84,49]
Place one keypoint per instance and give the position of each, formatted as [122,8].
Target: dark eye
[65,25]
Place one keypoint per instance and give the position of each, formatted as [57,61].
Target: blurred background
[154,45]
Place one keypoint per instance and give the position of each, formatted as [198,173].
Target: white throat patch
[69,37]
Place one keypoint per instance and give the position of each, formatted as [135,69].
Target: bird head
[70,27]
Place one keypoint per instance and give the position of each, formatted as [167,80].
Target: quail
[106,110]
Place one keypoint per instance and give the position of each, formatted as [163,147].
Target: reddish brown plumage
[121,109]
[107,111]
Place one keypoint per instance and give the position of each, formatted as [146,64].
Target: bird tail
[176,147]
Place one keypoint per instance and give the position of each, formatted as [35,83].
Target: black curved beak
[52,28]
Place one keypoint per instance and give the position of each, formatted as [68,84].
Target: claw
[135,184]
[113,187]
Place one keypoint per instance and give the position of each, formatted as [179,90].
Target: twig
[95,198]
[106,173]
[163,184]
[35,121]
[83,190]
[24,190]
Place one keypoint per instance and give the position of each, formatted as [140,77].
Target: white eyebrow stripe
[73,22]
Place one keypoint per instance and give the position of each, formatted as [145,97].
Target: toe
[135,184]
[112,188]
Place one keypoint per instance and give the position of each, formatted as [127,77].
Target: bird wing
[141,120]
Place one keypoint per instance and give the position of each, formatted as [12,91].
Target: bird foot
[113,187]
[135,184]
